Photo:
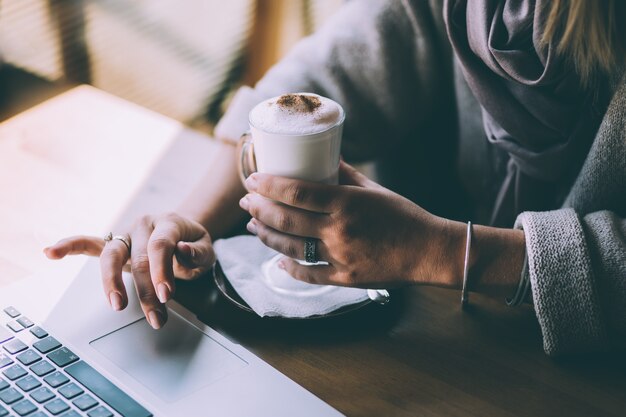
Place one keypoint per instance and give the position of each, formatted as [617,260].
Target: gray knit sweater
[390,65]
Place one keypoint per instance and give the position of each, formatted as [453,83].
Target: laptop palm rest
[171,362]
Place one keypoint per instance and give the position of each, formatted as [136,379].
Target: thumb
[194,257]
[348,175]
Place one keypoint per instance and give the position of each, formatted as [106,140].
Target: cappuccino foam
[296,114]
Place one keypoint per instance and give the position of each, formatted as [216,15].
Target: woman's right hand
[161,248]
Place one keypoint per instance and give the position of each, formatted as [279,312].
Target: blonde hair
[589,34]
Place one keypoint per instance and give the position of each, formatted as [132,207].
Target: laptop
[63,351]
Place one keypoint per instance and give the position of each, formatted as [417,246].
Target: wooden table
[418,356]
[421,356]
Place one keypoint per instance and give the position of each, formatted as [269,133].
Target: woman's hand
[162,247]
[370,236]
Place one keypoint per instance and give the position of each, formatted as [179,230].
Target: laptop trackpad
[171,362]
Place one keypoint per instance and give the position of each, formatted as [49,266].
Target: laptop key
[28,357]
[3,411]
[56,379]
[5,334]
[38,332]
[42,394]
[12,312]
[5,360]
[70,413]
[14,346]
[24,407]
[56,407]
[15,326]
[28,383]
[14,372]
[39,414]
[62,357]
[42,368]
[70,391]
[11,395]
[85,402]
[47,344]
[25,322]
[103,388]
[100,412]
[3,384]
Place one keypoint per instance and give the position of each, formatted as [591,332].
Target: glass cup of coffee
[295,136]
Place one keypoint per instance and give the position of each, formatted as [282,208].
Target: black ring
[310,251]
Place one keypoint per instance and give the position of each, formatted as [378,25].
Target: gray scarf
[534,108]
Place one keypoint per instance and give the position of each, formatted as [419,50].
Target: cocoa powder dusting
[310,103]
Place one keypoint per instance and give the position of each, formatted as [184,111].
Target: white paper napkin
[244,260]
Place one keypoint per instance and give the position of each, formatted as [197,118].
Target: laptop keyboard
[41,377]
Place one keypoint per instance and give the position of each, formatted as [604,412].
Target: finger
[292,246]
[286,219]
[152,307]
[75,245]
[193,258]
[161,247]
[348,175]
[112,259]
[196,254]
[184,264]
[312,196]
[313,274]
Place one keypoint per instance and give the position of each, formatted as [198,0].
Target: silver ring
[310,251]
[124,239]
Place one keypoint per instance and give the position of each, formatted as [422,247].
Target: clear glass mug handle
[246,163]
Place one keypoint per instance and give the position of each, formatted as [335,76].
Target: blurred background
[183,59]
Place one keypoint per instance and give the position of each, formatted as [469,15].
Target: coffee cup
[295,136]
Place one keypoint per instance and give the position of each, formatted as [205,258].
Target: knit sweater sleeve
[577,268]
[381,60]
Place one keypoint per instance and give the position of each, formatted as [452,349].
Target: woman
[514,109]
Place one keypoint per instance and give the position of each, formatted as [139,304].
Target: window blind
[168,55]
[180,58]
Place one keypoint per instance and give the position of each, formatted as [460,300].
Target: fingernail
[244,203]
[155,319]
[252,182]
[187,249]
[163,292]
[251,226]
[184,248]
[115,298]
[281,264]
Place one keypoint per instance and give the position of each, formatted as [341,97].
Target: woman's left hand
[370,236]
